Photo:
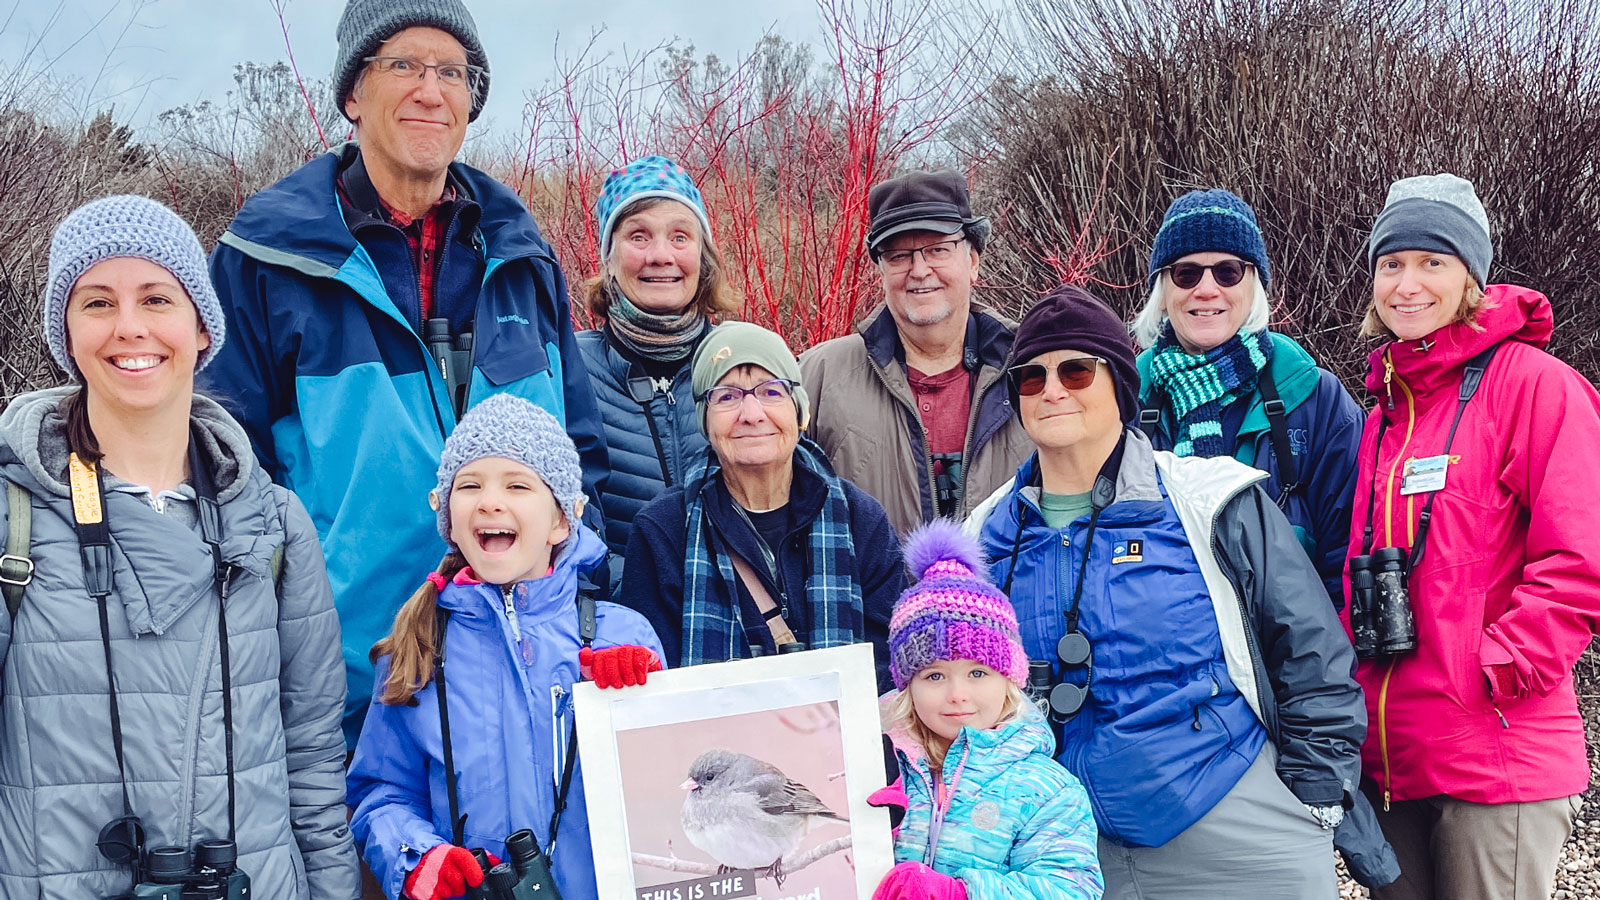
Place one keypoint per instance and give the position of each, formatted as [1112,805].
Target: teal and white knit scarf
[1200,385]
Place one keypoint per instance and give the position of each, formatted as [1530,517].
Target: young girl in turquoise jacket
[989,813]
[509,502]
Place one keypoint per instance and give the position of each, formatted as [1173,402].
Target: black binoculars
[168,875]
[523,876]
[1381,620]
[453,356]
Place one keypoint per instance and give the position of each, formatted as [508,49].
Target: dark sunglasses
[1227,273]
[1075,374]
[1067,698]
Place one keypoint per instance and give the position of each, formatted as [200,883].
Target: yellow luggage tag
[85,483]
[1424,474]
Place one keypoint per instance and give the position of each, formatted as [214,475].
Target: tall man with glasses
[912,407]
[376,292]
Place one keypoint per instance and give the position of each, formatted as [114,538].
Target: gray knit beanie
[368,23]
[733,344]
[512,428]
[1439,213]
[126,225]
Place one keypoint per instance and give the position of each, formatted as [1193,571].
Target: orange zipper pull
[1388,378]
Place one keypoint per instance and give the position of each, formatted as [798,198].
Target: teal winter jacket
[1018,826]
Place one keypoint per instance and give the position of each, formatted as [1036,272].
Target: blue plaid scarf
[1199,385]
[712,628]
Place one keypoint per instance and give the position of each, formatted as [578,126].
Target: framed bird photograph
[739,779]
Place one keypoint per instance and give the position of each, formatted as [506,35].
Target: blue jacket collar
[301,216]
[539,597]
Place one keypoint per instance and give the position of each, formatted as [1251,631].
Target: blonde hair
[714,296]
[903,714]
[1473,300]
[412,644]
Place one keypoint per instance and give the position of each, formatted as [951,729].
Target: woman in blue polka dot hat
[661,285]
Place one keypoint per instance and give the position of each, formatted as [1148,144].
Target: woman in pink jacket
[1475,571]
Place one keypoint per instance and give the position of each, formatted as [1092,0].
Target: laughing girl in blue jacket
[509,502]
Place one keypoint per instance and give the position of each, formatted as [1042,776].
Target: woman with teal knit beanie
[661,284]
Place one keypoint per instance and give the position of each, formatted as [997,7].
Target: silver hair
[1147,324]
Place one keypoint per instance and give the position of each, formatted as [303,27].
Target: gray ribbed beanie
[512,428]
[1440,213]
[368,23]
[132,226]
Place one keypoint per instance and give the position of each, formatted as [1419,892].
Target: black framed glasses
[725,397]
[935,254]
[461,76]
[1227,273]
[1074,651]
[1075,374]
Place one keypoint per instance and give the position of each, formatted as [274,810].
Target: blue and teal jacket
[1209,632]
[1018,825]
[510,694]
[1324,424]
[330,379]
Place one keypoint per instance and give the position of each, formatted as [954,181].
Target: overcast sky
[146,56]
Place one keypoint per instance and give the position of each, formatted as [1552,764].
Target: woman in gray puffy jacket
[171,666]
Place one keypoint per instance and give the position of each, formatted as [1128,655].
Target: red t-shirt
[944,402]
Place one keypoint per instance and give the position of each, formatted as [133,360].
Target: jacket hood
[34,429]
[299,217]
[1432,363]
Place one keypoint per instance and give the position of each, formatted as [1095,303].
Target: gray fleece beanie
[127,225]
[368,23]
[1439,213]
[512,428]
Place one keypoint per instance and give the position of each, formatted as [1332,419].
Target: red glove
[614,667]
[445,871]
[915,881]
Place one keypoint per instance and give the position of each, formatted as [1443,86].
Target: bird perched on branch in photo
[747,814]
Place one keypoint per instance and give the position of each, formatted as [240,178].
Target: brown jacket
[864,416]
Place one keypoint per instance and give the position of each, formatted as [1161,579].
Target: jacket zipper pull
[1503,722]
[1386,795]
[1388,378]
[511,611]
[1197,718]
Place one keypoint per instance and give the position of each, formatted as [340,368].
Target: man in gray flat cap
[913,407]
[376,293]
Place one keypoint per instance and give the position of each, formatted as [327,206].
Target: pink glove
[615,667]
[915,881]
[445,871]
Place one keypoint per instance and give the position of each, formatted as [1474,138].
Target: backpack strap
[16,568]
[1278,423]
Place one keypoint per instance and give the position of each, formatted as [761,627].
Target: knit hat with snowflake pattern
[953,611]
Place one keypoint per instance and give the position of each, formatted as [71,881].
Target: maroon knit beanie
[1072,317]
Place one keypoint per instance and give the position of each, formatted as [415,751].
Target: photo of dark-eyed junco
[747,814]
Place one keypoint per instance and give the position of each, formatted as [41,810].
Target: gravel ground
[1578,877]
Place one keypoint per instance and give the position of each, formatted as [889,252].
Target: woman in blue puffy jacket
[661,282]
[1202,682]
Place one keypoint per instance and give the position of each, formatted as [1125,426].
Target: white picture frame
[813,715]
